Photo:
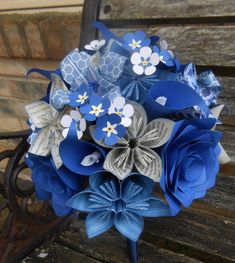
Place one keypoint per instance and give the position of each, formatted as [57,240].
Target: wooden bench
[202,32]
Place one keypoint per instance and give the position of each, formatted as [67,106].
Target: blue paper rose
[58,186]
[190,162]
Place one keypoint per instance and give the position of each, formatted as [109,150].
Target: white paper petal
[157,133]
[154,59]
[75,115]
[136,58]
[139,121]
[223,157]
[139,70]
[65,132]
[119,102]
[42,144]
[89,47]
[216,110]
[82,124]
[79,134]
[148,163]
[102,42]
[40,113]
[171,54]
[126,122]
[128,110]
[161,100]
[145,52]
[95,43]
[66,121]
[91,159]
[119,162]
[57,138]
[150,70]
[163,45]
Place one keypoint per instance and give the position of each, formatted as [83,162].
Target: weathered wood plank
[19,67]
[203,236]
[40,36]
[227,95]
[200,44]
[111,247]
[53,252]
[222,196]
[132,9]
[30,4]
[228,140]
[22,88]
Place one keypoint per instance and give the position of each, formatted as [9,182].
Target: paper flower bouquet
[119,118]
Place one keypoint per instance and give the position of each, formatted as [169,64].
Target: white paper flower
[95,45]
[125,111]
[144,61]
[80,123]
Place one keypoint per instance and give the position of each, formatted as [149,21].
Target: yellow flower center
[145,62]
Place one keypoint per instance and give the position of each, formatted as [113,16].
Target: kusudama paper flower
[123,205]
[136,149]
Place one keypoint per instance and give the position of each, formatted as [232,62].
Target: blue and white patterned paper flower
[123,205]
[96,107]
[125,111]
[76,117]
[145,61]
[109,129]
[134,41]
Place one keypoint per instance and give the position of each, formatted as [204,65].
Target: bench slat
[202,45]
[145,9]
[111,247]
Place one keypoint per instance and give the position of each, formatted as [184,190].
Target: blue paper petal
[99,222]
[129,224]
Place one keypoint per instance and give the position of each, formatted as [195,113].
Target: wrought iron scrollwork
[24,221]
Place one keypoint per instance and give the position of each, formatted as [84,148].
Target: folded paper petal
[139,121]
[99,222]
[148,163]
[157,133]
[153,207]
[119,162]
[129,224]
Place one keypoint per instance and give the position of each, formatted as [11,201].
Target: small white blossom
[95,45]
[125,111]
[145,61]
[80,123]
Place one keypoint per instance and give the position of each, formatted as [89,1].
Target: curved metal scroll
[24,222]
